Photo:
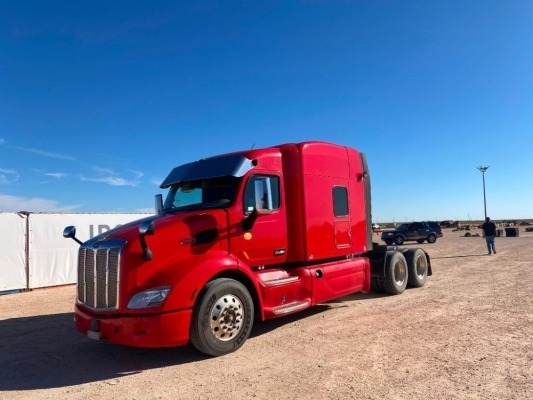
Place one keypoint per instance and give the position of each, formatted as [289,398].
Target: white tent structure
[34,253]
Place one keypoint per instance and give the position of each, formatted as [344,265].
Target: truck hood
[186,225]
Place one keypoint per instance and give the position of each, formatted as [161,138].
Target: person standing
[489,233]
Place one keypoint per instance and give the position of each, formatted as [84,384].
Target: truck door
[265,242]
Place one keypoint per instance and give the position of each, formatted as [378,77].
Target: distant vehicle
[436,226]
[415,231]
[376,228]
[447,224]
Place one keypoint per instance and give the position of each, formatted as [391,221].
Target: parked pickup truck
[419,231]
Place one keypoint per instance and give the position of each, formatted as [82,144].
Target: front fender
[248,278]
[189,279]
[188,276]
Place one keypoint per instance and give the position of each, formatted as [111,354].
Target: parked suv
[419,231]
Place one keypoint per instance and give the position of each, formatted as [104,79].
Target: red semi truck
[255,234]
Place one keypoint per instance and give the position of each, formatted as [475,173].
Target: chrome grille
[98,276]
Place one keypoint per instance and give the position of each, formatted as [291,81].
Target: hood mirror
[146,228]
[70,232]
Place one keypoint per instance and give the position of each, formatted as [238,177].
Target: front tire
[399,240]
[222,318]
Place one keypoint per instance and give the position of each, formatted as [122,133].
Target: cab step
[291,307]
[282,281]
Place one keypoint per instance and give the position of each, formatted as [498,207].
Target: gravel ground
[466,335]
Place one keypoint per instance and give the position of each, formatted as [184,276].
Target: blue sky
[100,100]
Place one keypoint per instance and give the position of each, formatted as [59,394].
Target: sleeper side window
[340,201]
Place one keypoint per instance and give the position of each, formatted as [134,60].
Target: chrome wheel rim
[227,316]
[400,272]
[421,267]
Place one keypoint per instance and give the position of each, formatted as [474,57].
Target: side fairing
[368,201]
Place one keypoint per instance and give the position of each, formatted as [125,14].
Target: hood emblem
[188,241]
[99,241]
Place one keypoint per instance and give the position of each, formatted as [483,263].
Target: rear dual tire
[395,280]
[417,264]
[376,285]
[402,269]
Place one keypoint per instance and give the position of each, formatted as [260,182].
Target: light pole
[483,169]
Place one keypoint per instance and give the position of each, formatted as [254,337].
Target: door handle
[279,252]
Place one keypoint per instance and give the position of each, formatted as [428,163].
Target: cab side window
[262,192]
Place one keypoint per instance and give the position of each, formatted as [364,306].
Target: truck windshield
[202,194]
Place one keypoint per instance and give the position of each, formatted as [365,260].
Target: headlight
[149,298]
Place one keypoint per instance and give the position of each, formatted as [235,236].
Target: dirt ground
[466,335]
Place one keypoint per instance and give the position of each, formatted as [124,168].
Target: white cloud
[138,174]
[8,176]
[46,153]
[57,175]
[114,178]
[105,171]
[15,204]
[111,180]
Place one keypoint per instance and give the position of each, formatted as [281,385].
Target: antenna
[253,145]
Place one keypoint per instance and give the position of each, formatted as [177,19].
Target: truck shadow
[358,297]
[44,352]
[263,327]
[47,352]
